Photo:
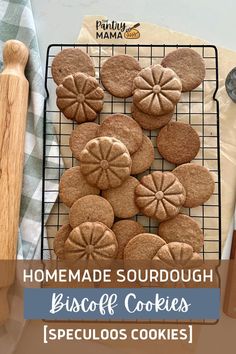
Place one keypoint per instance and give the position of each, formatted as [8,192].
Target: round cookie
[178,143]
[160,195]
[79,97]
[60,239]
[182,228]
[118,73]
[91,208]
[105,162]
[80,136]
[178,254]
[91,241]
[143,247]
[188,65]
[73,186]
[149,122]
[157,90]
[70,61]
[122,198]
[123,128]
[143,157]
[125,230]
[198,183]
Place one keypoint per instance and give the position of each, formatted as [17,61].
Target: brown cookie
[80,97]
[91,241]
[178,143]
[60,239]
[105,162]
[91,208]
[122,198]
[178,254]
[73,186]
[143,157]
[149,122]
[182,228]
[118,73]
[70,61]
[160,195]
[188,65]
[143,247]
[156,90]
[198,183]
[124,128]
[80,136]
[125,230]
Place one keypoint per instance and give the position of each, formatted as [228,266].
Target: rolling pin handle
[15,56]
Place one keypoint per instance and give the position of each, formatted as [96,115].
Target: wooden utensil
[14,89]
[230,291]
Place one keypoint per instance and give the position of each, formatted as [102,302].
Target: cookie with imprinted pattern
[60,239]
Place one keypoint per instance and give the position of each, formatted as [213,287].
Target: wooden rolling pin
[230,291]
[14,89]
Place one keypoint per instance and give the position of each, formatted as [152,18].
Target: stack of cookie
[102,188]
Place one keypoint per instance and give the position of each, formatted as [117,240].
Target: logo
[116,30]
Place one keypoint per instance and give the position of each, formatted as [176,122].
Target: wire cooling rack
[198,108]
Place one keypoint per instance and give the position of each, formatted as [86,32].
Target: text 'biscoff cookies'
[160,195]
[80,97]
[156,90]
[118,73]
[91,241]
[105,162]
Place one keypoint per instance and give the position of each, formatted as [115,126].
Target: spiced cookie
[60,239]
[73,186]
[91,241]
[178,143]
[143,247]
[149,122]
[124,128]
[70,61]
[125,230]
[122,198]
[118,73]
[105,162]
[143,157]
[188,65]
[80,97]
[198,183]
[80,136]
[182,228]
[156,90]
[91,208]
[160,195]
[178,254]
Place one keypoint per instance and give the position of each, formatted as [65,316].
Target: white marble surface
[59,21]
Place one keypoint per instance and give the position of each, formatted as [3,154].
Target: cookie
[157,90]
[182,228]
[70,61]
[188,65]
[198,183]
[125,230]
[149,122]
[118,73]
[124,128]
[160,195]
[143,157]
[60,239]
[143,247]
[178,143]
[91,241]
[122,198]
[79,97]
[91,208]
[178,254]
[105,162]
[80,136]
[73,186]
